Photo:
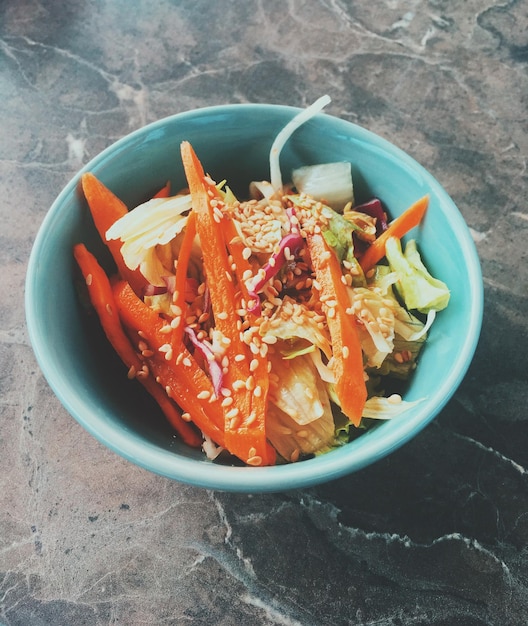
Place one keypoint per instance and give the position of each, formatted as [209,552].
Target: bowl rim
[339,462]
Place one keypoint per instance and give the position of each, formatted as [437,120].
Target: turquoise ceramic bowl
[233,142]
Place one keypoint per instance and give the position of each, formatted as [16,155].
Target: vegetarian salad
[269,328]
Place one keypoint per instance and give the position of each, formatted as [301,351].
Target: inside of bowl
[233,144]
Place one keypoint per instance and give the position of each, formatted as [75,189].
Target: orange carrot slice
[397,228]
[179,374]
[106,208]
[102,299]
[164,192]
[244,431]
[346,348]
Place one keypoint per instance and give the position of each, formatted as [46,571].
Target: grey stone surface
[436,534]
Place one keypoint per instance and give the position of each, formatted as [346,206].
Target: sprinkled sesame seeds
[176,322]
[250,383]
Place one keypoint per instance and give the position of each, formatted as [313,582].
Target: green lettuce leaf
[417,288]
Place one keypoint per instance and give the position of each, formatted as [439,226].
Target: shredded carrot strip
[179,374]
[397,228]
[248,441]
[346,348]
[102,299]
[106,208]
[164,192]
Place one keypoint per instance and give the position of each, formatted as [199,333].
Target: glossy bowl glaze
[233,143]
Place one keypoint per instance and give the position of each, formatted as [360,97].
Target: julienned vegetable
[267,328]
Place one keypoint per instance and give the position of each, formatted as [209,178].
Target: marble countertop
[437,533]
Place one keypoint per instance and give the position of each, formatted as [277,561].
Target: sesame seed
[109,309]
[252,452]
[147,353]
[246,253]
[203,395]
[346,352]
[252,417]
[143,372]
[228,401]
[239,357]
[186,417]
[225,392]
[250,383]
[239,384]
[295,455]
[254,460]
[257,392]
[395,398]
[131,372]
[222,315]
[253,365]
[187,361]
[232,413]
[164,330]
[89,279]
[176,322]
[269,339]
